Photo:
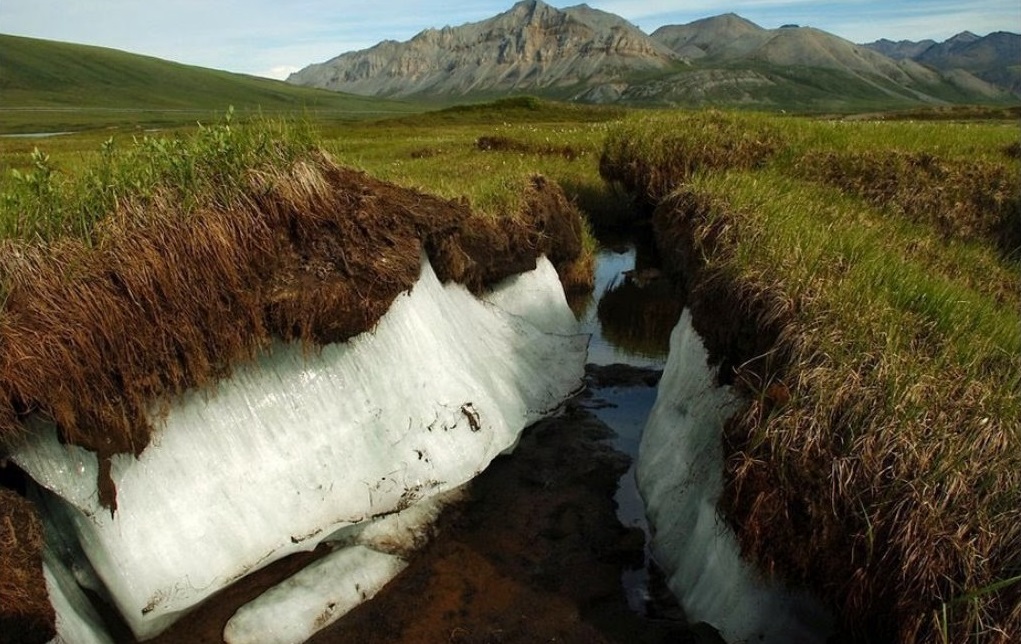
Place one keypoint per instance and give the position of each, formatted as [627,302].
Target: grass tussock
[198,265]
[878,457]
[972,199]
[507,144]
[25,611]
[651,156]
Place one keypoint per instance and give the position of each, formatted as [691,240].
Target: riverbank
[857,285]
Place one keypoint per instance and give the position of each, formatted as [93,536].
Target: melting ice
[296,446]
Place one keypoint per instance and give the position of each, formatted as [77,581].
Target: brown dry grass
[896,513]
[25,612]
[970,199]
[859,303]
[97,336]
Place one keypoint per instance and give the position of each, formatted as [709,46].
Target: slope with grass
[858,282]
[49,86]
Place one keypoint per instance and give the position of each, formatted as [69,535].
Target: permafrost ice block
[680,477]
[299,444]
[314,598]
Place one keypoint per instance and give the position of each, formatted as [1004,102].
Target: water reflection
[630,316]
[638,312]
[631,310]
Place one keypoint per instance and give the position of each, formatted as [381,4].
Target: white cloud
[279,72]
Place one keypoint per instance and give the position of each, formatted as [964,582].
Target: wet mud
[536,554]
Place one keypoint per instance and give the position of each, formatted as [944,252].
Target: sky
[275,37]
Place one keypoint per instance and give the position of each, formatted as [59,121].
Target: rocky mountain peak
[528,47]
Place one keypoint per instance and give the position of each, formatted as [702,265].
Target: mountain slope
[730,40]
[720,37]
[584,54]
[46,74]
[900,49]
[533,46]
[995,58]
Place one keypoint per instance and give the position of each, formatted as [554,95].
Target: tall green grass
[209,169]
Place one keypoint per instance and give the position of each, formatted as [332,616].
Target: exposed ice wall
[295,446]
[680,476]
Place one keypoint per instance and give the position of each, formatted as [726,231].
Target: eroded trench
[550,542]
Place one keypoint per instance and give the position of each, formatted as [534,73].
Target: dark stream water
[629,315]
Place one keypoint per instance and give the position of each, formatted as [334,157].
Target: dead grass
[885,475]
[98,333]
[25,612]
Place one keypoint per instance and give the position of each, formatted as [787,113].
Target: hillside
[46,82]
[995,58]
[583,54]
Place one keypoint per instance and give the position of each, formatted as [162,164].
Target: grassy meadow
[873,266]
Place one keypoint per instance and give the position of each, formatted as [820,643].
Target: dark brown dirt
[536,555]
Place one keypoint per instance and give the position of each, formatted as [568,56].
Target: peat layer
[98,337]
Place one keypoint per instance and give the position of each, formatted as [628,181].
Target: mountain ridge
[994,58]
[583,54]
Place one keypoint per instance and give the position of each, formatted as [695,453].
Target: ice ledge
[296,446]
[680,476]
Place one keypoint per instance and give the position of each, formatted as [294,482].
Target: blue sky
[273,37]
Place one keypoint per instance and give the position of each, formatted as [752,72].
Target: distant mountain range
[995,58]
[584,54]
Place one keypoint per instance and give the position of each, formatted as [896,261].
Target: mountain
[730,39]
[533,46]
[901,49]
[995,58]
[46,80]
[721,37]
[584,54]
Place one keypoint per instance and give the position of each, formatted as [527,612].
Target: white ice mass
[314,598]
[298,445]
[680,476]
